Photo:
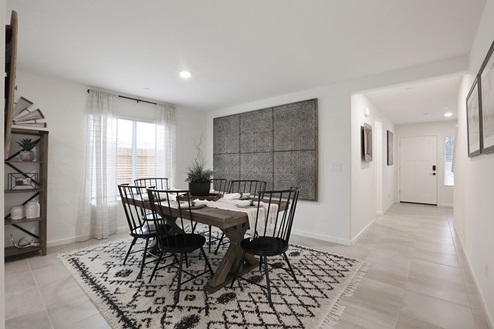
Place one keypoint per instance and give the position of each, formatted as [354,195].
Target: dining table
[234,223]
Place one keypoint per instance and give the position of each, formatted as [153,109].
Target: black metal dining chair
[271,233]
[251,186]
[155,182]
[180,239]
[141,225]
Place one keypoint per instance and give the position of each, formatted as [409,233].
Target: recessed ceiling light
[185,74]
[448,114]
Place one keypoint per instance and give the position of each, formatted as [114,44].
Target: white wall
[337,216]
[63,104]
[440,130]
[329,217]
[474,180]
[372,182]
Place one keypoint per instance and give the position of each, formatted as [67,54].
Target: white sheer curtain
[97,216]
[164,120]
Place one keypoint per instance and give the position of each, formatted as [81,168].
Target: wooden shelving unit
[39,192]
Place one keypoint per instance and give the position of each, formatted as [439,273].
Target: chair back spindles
[132,197]
[279,209]
[219,185]
[160,183]
[251,186]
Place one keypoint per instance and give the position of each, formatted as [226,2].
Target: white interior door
[418,174]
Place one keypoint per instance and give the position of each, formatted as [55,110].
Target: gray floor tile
[437,311]
[406,322]
[418,278]
[38,320]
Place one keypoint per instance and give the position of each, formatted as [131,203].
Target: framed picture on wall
[390,147]
[487,102]
[474,123]
[366,135]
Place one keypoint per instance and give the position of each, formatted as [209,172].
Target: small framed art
[390,147]
[23,181]
[474,123]
[366,135]
[487,102]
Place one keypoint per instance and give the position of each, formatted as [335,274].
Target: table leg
[224,273]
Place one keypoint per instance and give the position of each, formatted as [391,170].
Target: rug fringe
[352,286]
[337,310]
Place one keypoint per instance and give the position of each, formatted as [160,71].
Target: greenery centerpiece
[198,176]
[27,145]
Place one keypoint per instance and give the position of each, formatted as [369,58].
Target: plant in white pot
[27,145]
[198,176]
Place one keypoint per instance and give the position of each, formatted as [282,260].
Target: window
[449,176]
[135,150]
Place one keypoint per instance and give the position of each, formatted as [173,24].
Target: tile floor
[418,279]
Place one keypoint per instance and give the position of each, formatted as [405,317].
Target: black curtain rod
[133,99]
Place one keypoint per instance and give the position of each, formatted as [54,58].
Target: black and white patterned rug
[127,302]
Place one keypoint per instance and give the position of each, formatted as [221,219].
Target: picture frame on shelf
[27,181]
[486,74]
[474,119]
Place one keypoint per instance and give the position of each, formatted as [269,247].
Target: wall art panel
[256,131]
[257,166]
[296,168]
[295,126]
[226,139]
[226,166]
[277,145]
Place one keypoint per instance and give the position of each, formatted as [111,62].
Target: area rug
[128,302]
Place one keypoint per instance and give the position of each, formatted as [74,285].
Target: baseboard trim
[61,242]
[345,242]
[487,314]
[355,239]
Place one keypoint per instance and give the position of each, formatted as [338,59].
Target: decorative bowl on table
[210,197]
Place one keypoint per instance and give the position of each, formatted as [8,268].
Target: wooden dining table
[234,224]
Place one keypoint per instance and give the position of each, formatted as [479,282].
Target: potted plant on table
[27,145]
[198,176]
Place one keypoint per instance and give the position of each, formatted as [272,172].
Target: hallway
[418,279]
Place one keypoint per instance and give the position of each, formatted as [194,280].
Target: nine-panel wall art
[276,144]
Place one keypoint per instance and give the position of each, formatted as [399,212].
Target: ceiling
[416,102]
[242,51]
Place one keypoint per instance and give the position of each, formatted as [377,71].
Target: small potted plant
[27,145]
[198,176]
